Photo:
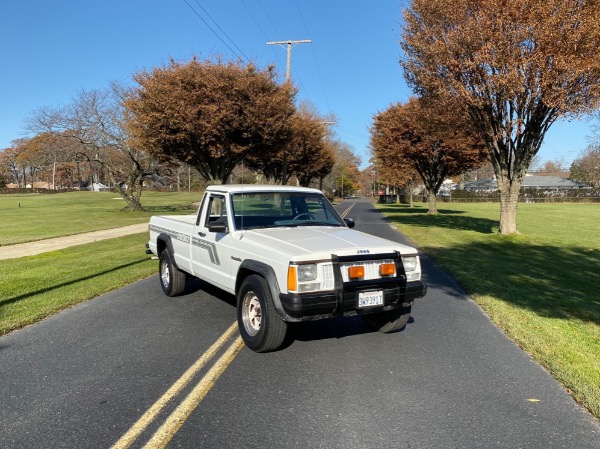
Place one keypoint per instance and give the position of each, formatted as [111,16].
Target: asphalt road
[83,378]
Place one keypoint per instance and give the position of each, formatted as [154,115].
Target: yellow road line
[180,415]
[135,431]
[347,211]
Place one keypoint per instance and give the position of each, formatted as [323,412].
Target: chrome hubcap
[164,274]
[251,314]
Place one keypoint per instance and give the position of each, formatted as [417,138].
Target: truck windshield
[256,210]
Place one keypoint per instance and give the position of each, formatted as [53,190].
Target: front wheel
[389,321]
[261,328]
[172,279]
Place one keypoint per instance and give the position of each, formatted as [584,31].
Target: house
[546,183]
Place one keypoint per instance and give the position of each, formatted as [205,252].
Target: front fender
[249,267]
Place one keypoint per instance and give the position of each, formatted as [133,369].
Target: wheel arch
[249,267]
[163,241]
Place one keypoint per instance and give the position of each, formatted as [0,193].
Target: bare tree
[9,158]
[96,120]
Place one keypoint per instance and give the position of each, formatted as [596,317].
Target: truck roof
[237,188]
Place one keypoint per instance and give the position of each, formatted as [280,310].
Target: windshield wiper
[317,223]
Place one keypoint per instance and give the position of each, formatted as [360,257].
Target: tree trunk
[509,197]
[432,203]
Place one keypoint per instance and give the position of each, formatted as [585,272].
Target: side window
[217,211]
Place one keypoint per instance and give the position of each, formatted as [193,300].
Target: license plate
[369,299]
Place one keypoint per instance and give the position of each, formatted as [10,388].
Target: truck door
[211,250]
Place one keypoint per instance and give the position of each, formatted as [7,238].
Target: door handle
[201,234]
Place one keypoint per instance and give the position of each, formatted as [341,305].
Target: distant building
[529,182]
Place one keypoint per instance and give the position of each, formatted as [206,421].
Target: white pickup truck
[288,256]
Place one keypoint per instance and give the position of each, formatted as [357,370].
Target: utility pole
[289,53]
[287,80]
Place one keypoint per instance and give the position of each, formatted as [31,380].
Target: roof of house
[529,181]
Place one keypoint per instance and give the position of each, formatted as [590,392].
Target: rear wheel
[172,279]
[389,321]
[261,328]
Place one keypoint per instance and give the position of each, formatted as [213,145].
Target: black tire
[389,321]
[261,328]
[172,279]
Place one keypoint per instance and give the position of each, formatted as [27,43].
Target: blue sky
[52,49]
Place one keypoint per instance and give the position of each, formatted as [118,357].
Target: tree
[43,154]
[586,168]
[9,158]
[514,66]
[96,119]
[428,136]
[345,177]
[210,114]
[397,172]
[307,155]
[311,155]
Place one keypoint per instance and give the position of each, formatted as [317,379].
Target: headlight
[410,263]
[307,272]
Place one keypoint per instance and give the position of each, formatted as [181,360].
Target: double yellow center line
[347,211]
[177,418]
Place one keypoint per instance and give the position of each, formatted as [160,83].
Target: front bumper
[313,306]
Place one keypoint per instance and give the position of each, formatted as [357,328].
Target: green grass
[32,288]
[541,287]
[33,217]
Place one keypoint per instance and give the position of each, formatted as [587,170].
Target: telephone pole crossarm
[289,53]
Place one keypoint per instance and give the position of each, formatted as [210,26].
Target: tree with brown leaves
[430,137]
[210,114]
[514,66]
[312,155]
[396,172]
[307,155]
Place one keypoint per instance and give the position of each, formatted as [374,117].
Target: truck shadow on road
[332,328]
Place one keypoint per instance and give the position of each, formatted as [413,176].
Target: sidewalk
[43,246]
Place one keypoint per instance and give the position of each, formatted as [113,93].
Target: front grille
[371,271]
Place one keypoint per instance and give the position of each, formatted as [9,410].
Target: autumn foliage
[515,66]
[210,114]
[429,137]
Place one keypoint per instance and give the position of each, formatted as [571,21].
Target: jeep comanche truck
[287,256]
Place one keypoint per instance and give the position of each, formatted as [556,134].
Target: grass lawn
[32,288]
[35,287]
[541,287]
[33,217]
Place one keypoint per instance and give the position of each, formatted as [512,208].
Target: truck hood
[321,242]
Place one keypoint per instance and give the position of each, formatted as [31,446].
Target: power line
[221,29]
[216,34]
[269,17]
[261,30]
[314,56]
[277,33]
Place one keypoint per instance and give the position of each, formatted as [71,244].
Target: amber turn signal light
[357,272]
[387,269]
[292,279]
